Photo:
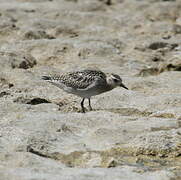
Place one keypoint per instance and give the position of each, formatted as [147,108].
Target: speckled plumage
[85,83]
[79,79]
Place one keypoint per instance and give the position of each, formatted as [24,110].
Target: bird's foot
[90,108]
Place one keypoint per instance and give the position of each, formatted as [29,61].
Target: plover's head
[114,80]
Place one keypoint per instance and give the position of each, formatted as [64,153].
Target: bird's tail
[46,78]
[53,80]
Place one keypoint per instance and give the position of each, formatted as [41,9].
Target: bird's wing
[80,79]
[77,80]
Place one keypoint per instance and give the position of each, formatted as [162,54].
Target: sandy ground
[133,134]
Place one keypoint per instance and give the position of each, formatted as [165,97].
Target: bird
[86,83]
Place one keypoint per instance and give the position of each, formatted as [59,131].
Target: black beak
[122,85]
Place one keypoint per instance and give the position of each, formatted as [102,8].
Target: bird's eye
[115,80]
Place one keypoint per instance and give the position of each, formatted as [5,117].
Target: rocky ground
[133,134]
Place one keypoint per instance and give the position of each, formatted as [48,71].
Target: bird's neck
[108,87]
[109,84]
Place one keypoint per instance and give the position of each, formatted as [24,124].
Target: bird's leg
[90,107]
[82,105]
